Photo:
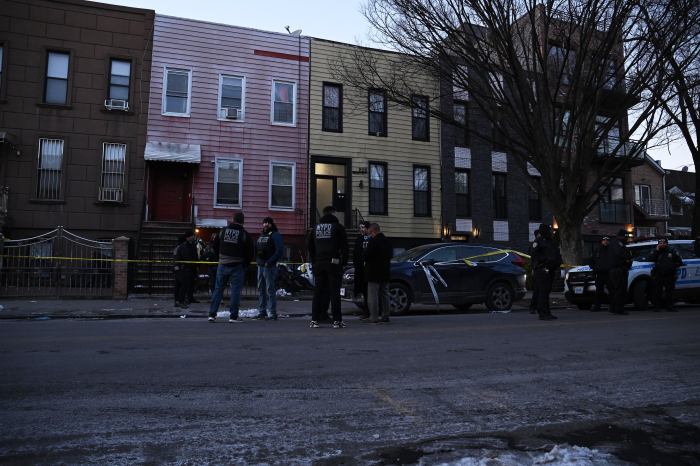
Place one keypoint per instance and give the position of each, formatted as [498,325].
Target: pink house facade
[227,127]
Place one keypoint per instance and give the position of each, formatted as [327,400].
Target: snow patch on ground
[560,455]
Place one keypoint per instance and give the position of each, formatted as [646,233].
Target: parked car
[579,283]
[493,277]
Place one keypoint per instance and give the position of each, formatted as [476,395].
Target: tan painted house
[370,158]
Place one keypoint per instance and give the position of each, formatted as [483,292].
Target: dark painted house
[74,93]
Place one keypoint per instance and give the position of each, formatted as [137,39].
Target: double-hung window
[564,62]
[461,118]
[49,169]
[463,207]
[376,101]
[419,118]
[500,196]
[460,80]
[227,183]
[113,171]
[609,136]
[421,191]
[56,86]
[176,95]
[231,97]
[497,87]
[332,108]
[378,198]
[284,95]
[282,185]
[119,78]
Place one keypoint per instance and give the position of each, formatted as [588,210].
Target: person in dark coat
[328,251]
[185,273]
[358,262]
[545,260]
[533,300]
[618,274]
[603,262]
[268,249]
[378,272]
[696,246]
[235,253]
[666,263]
[211,254]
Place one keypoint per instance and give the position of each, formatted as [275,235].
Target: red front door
[171,195]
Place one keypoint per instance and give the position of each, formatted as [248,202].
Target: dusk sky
[339,20]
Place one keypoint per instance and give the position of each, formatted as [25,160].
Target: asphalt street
[424,389]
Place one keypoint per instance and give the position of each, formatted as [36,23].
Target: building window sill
[54,106]
[47,201]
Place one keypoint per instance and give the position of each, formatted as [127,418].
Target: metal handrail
[653,207]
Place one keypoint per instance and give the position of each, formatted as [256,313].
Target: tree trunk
[570,242]
[696,207]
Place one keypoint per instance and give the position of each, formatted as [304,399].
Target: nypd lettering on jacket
[231,235]
[324,231]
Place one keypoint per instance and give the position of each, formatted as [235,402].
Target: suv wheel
[640,295]
[399,298]
[499,297]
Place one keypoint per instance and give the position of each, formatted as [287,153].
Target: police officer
[358,262]
[533,300]
[328,251]
[666,263]
[602,264]
[545,261]
[235,253]
[268,249]
[619,270]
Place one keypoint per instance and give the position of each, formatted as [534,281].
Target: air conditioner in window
[117,104]
[231,113]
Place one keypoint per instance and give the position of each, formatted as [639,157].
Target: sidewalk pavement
[139,306]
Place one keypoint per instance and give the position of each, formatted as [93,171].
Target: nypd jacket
[328,242]
[269,248]
[235,246]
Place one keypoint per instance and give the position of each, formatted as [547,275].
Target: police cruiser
[579,283]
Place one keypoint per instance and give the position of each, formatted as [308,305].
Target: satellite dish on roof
[295,33]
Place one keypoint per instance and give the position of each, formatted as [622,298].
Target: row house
[74,93]
[650,203]
[680,188]
[369,158]
[227,128]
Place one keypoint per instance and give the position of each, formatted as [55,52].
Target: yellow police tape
[469,260]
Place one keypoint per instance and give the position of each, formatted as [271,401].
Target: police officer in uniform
[666,263]
[328,251]
[533,300]
[602,264]
[235,253]
[358,262]
[545,261]
[268,248]
[617,276]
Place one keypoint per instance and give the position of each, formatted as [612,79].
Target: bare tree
[564,84]
[672,29]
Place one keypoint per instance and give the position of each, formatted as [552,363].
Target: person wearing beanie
[358,262]
[621,262]
[268,250]
[545,261]
[666,263]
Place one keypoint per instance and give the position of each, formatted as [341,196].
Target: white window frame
[218,101]
[105,164]
[294,189]
[294,102]
[165,91]
[216,183]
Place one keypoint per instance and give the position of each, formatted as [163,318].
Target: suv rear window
[641,253]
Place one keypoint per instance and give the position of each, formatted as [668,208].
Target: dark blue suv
[472,274]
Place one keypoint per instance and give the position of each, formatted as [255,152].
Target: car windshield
[413,254]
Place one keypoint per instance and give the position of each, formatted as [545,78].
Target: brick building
[74,91]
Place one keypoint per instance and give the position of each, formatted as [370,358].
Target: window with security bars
[113,172]
[500,198]
[227,185]
[119,76]
[419,118]
[49,169]
[332,108]
[421,191]
[283,98]
[377,189]
[281,185]
[463,208]
[177,91]
[377,112]
[56,85]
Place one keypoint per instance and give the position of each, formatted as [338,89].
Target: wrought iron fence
[56,264]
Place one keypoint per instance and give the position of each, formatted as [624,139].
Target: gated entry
[56,264]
